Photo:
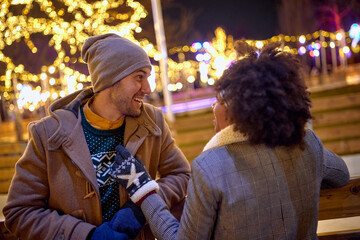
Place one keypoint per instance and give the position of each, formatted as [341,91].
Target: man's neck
[102,106]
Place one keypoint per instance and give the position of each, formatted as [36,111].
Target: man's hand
[105,232]
[129,219]
[130,173]
[127,222]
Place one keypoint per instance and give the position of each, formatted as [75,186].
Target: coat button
[61,237]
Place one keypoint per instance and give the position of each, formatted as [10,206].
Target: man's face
[127,95]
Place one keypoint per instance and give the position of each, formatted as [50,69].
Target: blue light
[317,46]
[197,45]
[354,33]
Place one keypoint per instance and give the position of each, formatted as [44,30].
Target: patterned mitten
[130,173]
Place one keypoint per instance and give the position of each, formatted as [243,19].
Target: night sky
[251,19]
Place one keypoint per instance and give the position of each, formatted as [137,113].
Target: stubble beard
[123,102]
[124,106]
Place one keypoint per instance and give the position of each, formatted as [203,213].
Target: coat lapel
[137,129]
[70,136]
[78,151]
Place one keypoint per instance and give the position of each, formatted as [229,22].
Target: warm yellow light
[187,64]
[302,39]
[62,93]
[54,95]
[286,49]
[191,79]
[79,86]
[43,76]
[185,48]
[179,85]
[31,108]
[149,47]
[259,44]
[157,57]
[339,36]
[91,19]
[355,49]
[51,69]
[346,49]
[52,81]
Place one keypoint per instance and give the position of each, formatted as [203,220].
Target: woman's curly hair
[266,96]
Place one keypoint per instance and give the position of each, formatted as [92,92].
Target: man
[62,188]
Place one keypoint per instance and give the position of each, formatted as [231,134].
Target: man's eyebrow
[141,71]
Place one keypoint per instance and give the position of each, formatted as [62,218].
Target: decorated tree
[41,40]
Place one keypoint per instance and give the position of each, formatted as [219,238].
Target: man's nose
[145,87]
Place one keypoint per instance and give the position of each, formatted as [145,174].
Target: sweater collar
[225,137]
[99,122]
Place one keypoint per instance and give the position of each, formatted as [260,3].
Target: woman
[260,176]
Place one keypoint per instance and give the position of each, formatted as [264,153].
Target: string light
[88,19]
[97,18]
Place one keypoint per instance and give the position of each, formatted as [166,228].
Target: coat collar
[225,137]
[66,112]
[64,130]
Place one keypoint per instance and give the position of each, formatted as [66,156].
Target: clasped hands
[130,173]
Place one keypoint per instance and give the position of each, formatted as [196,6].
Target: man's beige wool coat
[54,192]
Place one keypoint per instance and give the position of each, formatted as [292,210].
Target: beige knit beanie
[110,58]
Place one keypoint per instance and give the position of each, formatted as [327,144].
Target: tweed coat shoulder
[242,191]
[54,193]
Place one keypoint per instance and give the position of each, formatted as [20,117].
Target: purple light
[190,106]
[230,63]
[302,50]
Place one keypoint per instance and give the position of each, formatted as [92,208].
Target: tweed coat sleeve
[334,170]
[199,215]
[173,169]
[27,213]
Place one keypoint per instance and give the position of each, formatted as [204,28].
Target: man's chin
[134,113]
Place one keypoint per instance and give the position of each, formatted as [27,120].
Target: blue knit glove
[130,173]
[129,219]
[104,232]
